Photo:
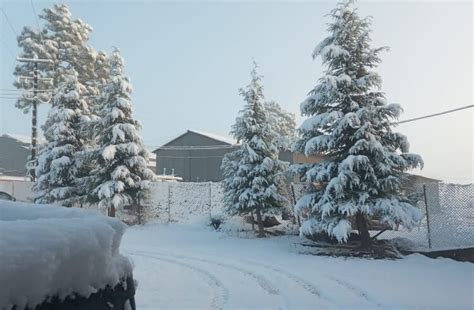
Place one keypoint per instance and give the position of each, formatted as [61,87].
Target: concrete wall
[21,190]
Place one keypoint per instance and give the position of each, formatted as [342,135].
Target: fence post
[169,202]
[294,204]
[210,199]
[427,216]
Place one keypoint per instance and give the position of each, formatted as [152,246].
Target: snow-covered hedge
[49,251]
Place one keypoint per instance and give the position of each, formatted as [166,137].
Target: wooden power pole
[34,112]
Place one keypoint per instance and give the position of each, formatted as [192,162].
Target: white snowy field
[185,266]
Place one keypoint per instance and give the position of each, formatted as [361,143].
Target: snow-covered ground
[186,266]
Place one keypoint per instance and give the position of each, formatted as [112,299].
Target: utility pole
[34,110]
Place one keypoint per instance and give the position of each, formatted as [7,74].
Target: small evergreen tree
[283,123]
[350,123]
[253,174]
[122,177]
[58,167]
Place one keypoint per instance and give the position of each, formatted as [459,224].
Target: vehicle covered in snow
[62,258]
[6,196]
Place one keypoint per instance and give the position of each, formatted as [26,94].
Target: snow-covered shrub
[215,221]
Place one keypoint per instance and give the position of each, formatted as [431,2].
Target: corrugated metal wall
[193,165]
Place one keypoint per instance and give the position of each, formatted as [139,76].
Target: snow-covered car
[62,258]
[6,196]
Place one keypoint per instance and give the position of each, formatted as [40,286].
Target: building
[151,160]
[194,156]
[14,153]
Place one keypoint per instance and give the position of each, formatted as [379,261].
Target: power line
[37,21]
[200,147]
[186,157]
[8,48]
[433,115]
[22,90]
[9,23]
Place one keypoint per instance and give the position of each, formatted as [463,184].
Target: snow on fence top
[48,251]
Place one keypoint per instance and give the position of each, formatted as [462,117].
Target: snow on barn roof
[24,139]
[19,138]
[227,141]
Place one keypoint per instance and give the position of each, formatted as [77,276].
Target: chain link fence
[183,201]
[448,216]
[448,210]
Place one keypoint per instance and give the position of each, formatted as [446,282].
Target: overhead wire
[433,115]
[37,20]
[9,23]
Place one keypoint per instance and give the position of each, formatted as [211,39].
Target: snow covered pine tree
[31,41]
[63,41]
[283,123]
[58,167]
[350,124]
[70,37]
[253,174]
[33,46]
[122,176]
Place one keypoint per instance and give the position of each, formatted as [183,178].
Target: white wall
[21,190]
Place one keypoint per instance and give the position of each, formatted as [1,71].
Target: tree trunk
[363,229]
[139,210]
[112,211]
[253,221]
[261,231]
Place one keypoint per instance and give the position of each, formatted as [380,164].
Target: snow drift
[48,251]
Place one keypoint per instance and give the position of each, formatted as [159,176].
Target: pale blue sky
[187,60]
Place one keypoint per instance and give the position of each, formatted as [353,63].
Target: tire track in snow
[356,290]
[307,286]
[311,288]
[219,291]
[259,279]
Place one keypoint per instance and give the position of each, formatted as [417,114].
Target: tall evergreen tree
[350,123]
[70,37]
[253,174]
[58,166]
[32,44]
[63,40]
[283,123]
[122,177]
